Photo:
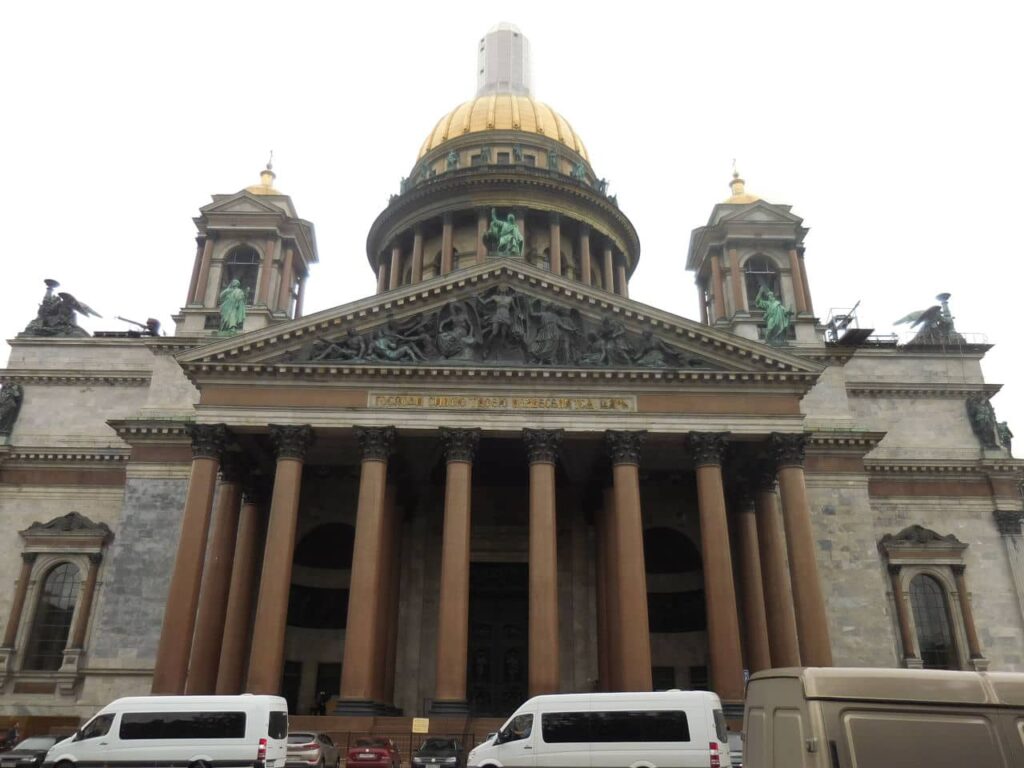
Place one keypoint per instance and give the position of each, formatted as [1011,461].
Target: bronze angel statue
[56,315]
[936,324]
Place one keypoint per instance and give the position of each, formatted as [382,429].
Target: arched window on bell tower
[757,272]
[241,263]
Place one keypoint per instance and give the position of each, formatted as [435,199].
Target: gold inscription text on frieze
[503,402]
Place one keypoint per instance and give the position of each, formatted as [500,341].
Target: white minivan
[678,729]
[187,731]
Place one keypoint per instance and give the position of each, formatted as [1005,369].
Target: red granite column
[84,610]
[726,667]
[737,282]
[364,648]
[608,273]
[213,599]
[382,275]
[803,274]
[907,639]
[778,593]
[622,288]
[175,646]
[718,295]
[18,604]
[797,276]
[585,276]
[808,601]
[755,622]
[234,652]
[453,609]
[395,277]
[203,278]
[542,451]
[482,224]
[266,660]
[629,576]
[284,292]
[447,236]
[556,244]
[298,299]
[417,254]
[964,597]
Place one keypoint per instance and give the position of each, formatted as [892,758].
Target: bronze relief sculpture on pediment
[501,327]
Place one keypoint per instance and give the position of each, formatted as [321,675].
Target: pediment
[73,524]
[242,202]
[500,314]
[760,213]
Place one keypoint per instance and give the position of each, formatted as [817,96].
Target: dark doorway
[499,596]
[291,679]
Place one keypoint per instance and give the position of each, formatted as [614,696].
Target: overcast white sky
[893,129]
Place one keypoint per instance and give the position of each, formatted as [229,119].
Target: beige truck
[883,718]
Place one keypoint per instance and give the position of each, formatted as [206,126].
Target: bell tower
[748,248]
[253,236]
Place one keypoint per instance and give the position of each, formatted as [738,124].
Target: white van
[190,731]
[640,730]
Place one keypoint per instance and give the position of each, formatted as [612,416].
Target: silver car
[307,748]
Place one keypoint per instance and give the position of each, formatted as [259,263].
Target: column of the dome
[481,230]
[396,266]
[608,273]
[447,238]
[622,284]
[382,275]
[556,244]
[417,254]
[585,276]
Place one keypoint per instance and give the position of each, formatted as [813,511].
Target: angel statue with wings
[56,315]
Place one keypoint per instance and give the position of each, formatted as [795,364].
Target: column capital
[1009,522]
[624,447]
[459,444]
[763,476]
[291,442]
[788,449]
[708,448]
[376,443]
[232,467]
[542,444]
[207,440]
[29,557]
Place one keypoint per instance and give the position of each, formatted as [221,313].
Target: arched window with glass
[242,263]
[54,613]
[760,272]
[930,604]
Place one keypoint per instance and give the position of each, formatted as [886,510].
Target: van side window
[98,726]
[278,726]
[565,727]
[182,725]
[639,726]
[520,728]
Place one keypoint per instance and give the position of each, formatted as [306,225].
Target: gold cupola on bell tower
[256,238]
[749,254]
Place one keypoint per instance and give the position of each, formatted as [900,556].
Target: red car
[373,753]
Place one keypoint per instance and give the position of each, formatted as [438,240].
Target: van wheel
[65,764]
[199,764]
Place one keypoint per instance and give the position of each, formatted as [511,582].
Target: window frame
[33,638]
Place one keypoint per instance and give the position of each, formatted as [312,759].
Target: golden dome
[504,112]
[266,185]
[739,192]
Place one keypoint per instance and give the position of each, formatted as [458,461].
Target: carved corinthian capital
[291,442]
[788,449]
[624,447]
[376,443]
[1009,522]
[207,440]
[708,448]
[459,444]
[542,445]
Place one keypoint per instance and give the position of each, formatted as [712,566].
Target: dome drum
[546,206]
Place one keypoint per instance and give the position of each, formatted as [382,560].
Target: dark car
[28,753]
[437,751]
[373,753]
[308,748]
